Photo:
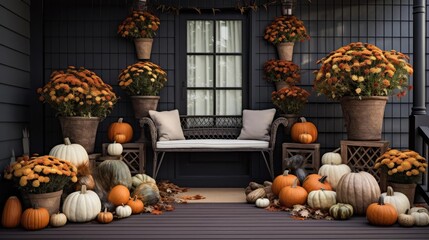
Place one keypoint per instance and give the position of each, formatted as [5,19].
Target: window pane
[228,36]
[200,36]
[200,102]
[228,102]
[200,71]
[228,71]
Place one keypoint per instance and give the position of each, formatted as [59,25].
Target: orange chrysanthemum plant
[290,100]
[78,92]
[43,174]
[139,24]
[405,166]
[282,70]
[362,69]
[143,79]
[286,29]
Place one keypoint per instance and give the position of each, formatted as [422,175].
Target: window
[214,67]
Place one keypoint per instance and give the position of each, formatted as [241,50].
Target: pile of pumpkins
[341,192]
[106,192]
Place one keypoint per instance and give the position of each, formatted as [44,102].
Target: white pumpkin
[322,199]
[123,211]
[334,173]
[142,178]
[114,149]
[58,220]
[421,218]
[397,199]
[82,206]
[74,153]
[262,202]
[331,158]
[416,209]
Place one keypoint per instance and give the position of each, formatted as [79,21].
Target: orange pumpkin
[381,213]
[120,138]
[120,127]
[11,213]
[119,195]
[292,195]
[302,126]
[305,138]
[136,205]
[35,218]
[105,217]
[282,181]
[316,182]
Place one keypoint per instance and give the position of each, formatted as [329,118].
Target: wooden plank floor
[220,221]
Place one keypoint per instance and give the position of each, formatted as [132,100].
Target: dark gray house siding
[83,33]
[15,84]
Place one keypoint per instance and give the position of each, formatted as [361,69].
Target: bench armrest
[152,129]
[274,126]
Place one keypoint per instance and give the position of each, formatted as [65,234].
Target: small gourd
[262,202]
[421,218]
[255,194]
[416,209]
[321,199]
[136,205]
[105,216]
[406,219]
[114,149]
[305,138]
[123,211]
[341,211]
[58,219]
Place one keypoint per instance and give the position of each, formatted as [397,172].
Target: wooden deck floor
[221,221]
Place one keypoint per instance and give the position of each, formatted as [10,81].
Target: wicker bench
[212,134]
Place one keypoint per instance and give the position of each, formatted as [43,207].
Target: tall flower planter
[363,118]
[143,48]
[81,130]
[142,105]
[285,51]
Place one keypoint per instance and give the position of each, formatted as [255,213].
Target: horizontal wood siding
[15,85]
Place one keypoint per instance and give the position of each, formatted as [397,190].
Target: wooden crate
[361,155]
[134,155]
[310,152]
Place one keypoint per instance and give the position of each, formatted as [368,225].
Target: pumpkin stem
[295,183]
[67,141]
[83,189]
[323,179]
[135,198]
[390,191]
[407,211]
[120,120]
[381,200]
[105,210]
[286,172]
[302,119]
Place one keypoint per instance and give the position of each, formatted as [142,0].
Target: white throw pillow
[168,125]
[257,124]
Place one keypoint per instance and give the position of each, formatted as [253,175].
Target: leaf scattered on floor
[195,197]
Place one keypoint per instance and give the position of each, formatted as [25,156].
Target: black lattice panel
[361,155]
[131,158]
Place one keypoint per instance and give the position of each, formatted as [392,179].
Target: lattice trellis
[310,152]
[361,155]
[133,155]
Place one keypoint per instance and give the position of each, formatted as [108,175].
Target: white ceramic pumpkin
[397,199]
[322,199]
[123,211]
[331,158]
[74,153]
[58,220]
[262,202]
[421,218]
[82,206]
[114,149]
[334,173]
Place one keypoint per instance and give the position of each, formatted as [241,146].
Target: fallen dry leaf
[195,197]
[156,212]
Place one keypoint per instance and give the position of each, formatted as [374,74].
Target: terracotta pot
[81,130]
[285,51]
[142,105]
[291,119]
[363,118]
[50,201]
[143,48]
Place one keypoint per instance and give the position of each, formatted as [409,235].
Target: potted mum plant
[362,76]
[81,100]
[283,32]
[282,72]
[140,26]
[143,81]
[42,180]
[402,170]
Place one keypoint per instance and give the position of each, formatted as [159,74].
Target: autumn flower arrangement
[142,79]
[282,70]
[362,69]
[42,174]
[139,24]
[290,100]
[286,29]
[78,92]
[402,166]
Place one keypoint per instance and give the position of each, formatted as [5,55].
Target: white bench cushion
[212,143]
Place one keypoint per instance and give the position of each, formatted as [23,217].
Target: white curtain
[200,39]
